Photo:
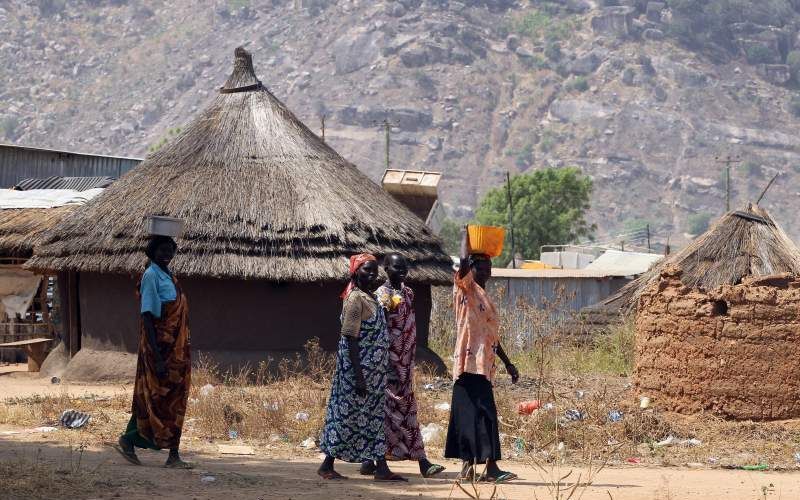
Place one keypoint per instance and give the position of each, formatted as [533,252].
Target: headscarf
[356,261]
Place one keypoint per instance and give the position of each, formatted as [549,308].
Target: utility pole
[511,220]
[322,119]
[728,161]
[387,129]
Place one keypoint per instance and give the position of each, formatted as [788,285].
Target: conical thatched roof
[261,195]
[740,244]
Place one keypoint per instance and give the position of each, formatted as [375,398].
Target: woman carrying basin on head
[163,368]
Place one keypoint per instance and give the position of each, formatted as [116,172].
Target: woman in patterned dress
[163,369]
[353,429]
[403,437]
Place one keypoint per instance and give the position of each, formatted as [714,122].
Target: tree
[451,236]
[549,209]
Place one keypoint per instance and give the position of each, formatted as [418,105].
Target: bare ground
[76,464]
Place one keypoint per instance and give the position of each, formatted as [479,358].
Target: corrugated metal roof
[618,263]
[500,272]
[57,182]
[64,151]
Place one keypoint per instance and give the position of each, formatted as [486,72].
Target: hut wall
[732,351]
[231,321]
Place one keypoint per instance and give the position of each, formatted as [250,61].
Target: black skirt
[473,433]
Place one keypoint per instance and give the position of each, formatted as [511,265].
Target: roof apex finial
[243,78]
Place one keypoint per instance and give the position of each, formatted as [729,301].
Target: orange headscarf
[356,261]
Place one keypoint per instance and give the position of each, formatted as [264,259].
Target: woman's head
[481,266]
[161,250]
[363,273]
[396,268]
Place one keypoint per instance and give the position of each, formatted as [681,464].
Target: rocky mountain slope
[473,88]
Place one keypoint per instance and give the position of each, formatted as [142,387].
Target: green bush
[794,105]
[759,54]
[698,223]
[553,51]
[524,157]
[579,83]
[793,61]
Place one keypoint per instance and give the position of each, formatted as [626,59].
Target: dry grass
[37,477]
[261,405]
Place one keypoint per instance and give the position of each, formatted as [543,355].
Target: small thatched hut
[718,324]
[271,214]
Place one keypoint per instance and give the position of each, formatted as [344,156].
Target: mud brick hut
[271,216]
[718,324]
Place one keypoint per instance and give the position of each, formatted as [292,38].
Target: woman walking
[473,435]
[403,437]
[163,369]
[353,429]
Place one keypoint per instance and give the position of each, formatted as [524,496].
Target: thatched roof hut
[22,228]
[742,243]
[271,215]
[262,197]
[718,324]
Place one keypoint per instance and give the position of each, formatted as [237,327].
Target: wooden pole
[322,119]
[511,221]
[766,188]
[728,188]
[648,237]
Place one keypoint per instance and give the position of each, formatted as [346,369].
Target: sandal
[367,469]
[433,470]
[178,464]
[330,475]
[392,477]
[503,477]
[127,454]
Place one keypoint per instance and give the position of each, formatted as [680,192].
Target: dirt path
[283,472]
[282,475]
[16,382]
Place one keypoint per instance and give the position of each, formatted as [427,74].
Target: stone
[524,52]
[653,34]
[356,49]
[576,110]
[577,6]
[587,63]
[659,93]
[613,21]
[434,143]
[778,74]
[396,10]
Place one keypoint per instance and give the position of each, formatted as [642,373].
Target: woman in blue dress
[353,429]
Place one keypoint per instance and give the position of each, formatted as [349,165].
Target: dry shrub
[263,403]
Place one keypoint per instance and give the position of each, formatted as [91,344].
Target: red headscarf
[356,261]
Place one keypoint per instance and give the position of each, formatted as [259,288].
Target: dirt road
[258,477]
[282,472]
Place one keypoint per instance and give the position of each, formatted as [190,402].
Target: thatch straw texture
[261,196]
[21,229]
[740,244]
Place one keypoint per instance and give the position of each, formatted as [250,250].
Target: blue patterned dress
[353,429]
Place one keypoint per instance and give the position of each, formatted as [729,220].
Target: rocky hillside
[473,88]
